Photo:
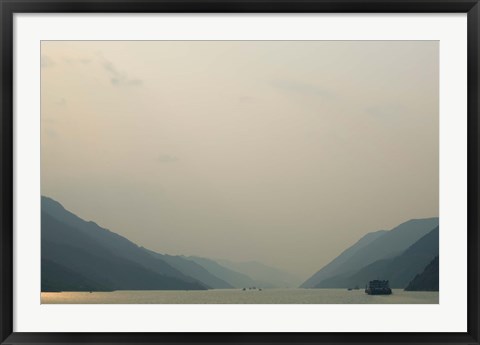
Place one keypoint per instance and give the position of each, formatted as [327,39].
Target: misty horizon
[219,259]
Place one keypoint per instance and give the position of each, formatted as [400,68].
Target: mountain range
[79,255]
[264,276]
[397,255]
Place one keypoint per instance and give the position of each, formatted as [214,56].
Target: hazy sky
[285,152]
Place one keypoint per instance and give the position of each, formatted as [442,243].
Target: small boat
[349,289]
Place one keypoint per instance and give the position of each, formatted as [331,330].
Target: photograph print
[239,172]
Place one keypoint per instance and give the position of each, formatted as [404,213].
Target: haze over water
[238,296]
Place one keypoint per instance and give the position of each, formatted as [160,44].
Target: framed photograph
[239,172]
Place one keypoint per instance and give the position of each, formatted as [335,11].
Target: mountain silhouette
[330,269]
[194,270]
[263,275]
[377,246]
[234,278]
[428,280]
[78,255]
[399,270]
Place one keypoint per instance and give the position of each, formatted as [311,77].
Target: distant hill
[428,280]
[330,269]
[232,277]
[78,256]
[399,270]
[263,275]
[376,247]
[194,270]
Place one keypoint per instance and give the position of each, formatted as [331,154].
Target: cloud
[72,61]
[134,82]
[85,61]
[117,77]
[61,102]
[393,115]
[387,110]
[299,87]
[247,99]
[163,158]
[47,61]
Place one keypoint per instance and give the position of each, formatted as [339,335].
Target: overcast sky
[283,152]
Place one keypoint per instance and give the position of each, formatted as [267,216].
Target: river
[238,296]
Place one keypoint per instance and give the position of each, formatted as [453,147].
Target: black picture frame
[9,7]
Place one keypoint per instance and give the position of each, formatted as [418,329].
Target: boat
[378,287]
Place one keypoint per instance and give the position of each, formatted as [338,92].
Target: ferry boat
[378,287]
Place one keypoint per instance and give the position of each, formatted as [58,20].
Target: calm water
[234,296]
